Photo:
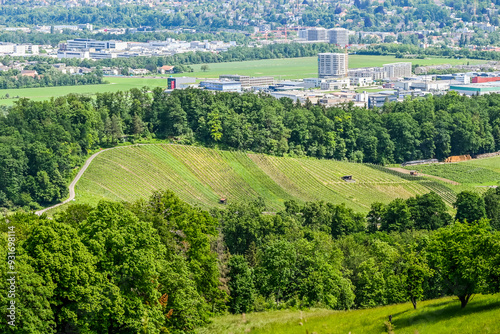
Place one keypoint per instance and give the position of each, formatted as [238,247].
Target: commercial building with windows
[247,81]
[87,43]
[339,36]
[332,65]
[221,85]
[397,70]
[378,100]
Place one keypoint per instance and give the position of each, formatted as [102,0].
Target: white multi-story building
[339,36]
[86,43]
[317,34]
[73,54]
[360,82]
[397,70]
[332,65]
[335,84]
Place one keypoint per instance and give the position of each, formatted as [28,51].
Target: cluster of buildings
[13,49]
[336,83]
[85,48]
[339,36]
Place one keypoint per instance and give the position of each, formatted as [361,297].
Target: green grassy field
[289,68]
[201,176]
[305,67]
[439,316]
[478,172]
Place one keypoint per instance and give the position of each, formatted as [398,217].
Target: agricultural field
[202,176]
[431,317]
[478,172]
[286,68]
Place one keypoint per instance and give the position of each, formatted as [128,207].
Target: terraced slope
[201,176]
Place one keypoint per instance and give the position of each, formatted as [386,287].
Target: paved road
[73,183]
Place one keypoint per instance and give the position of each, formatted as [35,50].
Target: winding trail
[75,180]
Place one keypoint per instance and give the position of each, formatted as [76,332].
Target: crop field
[436,316]
[480,172]
[202,176]
[285,68]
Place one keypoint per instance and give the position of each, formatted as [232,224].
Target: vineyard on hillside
[202,176]
[475,172]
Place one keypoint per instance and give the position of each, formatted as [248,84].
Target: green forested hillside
[202,176]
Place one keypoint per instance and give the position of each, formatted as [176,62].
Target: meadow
[286,68]
[436,316]
[306,67]
[201,176]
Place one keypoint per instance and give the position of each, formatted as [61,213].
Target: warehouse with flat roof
[477,88]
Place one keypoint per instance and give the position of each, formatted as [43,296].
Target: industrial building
[397,70]
[477,88]
[332,65]
[221,85]
[247,81]
[180,82]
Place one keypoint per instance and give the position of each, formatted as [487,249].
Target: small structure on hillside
[419,162]
[348,178]
[413,173]
[223,200]
[458,158]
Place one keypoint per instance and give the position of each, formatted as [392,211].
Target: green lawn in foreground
[289,68]
[439,316]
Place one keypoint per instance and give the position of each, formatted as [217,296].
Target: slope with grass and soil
[436,316]
[473,173]
[202,176]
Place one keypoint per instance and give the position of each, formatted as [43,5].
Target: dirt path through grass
[405,171]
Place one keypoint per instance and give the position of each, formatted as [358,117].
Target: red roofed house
[166,69]
[29,73]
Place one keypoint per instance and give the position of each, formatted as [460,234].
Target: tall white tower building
[332,65]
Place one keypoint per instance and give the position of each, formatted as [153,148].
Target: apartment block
[339,36]
[317,34]
[397,70]
[332,65]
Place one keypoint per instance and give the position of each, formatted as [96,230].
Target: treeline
[13,79]
[41,142]
[162,266]
[400,50]
[239,53]
[55,38]
[124,16]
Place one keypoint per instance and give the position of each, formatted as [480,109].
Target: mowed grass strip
[438,316]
